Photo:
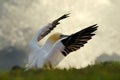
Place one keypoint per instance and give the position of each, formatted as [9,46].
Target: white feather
[55,55]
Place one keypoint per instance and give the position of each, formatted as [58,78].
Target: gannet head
[55,37]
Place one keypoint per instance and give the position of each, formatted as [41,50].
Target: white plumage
[57,46]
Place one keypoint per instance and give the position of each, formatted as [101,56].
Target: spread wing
[77,40]
[69,44]
[50,27]
[39,35]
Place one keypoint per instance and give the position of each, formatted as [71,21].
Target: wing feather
[78,39]
[51,26]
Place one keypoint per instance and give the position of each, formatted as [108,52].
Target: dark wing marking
[78,39]
[50,27]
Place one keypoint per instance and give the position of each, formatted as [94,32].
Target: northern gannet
[57,46]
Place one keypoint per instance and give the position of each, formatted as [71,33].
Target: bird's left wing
[51,26]
[77,40]
[69,44]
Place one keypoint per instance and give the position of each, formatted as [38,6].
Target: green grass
[99,71]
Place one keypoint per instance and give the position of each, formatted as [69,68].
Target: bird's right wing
[47,29]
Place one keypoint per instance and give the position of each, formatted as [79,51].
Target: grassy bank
[99,71]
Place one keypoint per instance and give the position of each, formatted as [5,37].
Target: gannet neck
[47,46]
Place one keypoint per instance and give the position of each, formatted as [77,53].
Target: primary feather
[78,39]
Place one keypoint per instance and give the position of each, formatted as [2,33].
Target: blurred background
[21,19]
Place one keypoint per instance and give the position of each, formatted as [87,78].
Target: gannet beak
[63,36]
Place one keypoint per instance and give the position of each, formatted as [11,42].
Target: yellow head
[55,37]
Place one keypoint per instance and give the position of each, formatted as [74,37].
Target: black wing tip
[64,16]
[78,39]
[95,26]
[56,22]
[67,15]
[88,30]
[92,28]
